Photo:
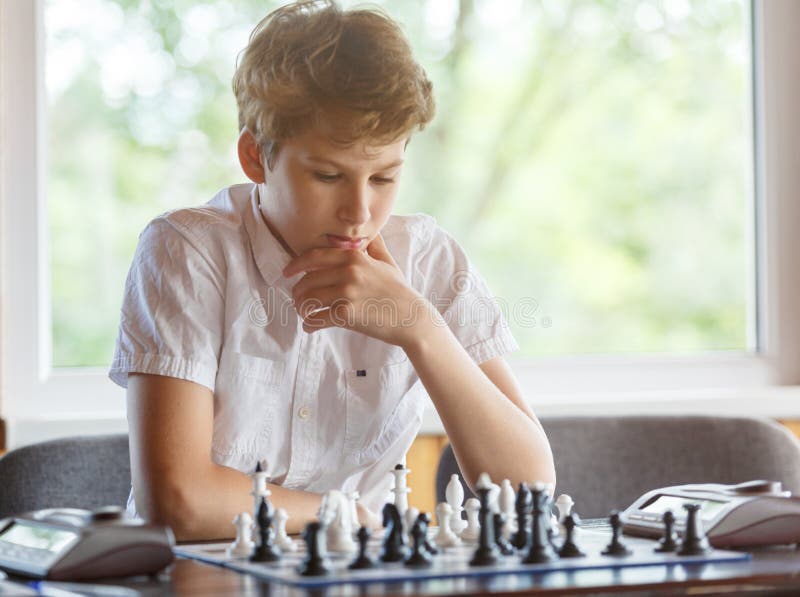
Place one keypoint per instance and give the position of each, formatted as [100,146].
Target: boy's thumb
[377,250]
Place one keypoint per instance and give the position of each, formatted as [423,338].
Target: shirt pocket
[381,402]
[245,403]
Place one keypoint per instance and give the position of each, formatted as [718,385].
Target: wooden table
[774,571]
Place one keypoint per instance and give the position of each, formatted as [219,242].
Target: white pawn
[564,504]
[473,530]
[243,544]
[455,498]
[281,538]
[507,501]
[445,537]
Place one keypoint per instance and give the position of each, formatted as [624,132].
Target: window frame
[39,402]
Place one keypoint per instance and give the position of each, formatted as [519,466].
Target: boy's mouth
[345,242]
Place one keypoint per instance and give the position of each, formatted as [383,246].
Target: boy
[294,321]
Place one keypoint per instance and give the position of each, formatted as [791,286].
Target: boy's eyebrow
[322,160]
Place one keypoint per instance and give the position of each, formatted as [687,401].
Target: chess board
[449,563]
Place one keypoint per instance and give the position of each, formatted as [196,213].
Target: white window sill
[776,402]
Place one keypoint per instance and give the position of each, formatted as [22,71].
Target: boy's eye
[326,177]
[382,180]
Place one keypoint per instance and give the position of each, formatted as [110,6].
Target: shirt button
[304,412]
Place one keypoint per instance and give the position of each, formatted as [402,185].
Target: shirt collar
[270,256]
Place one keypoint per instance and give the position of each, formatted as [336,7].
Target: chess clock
[72,544]
[744,515]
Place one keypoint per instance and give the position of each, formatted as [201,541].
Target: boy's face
[320,194]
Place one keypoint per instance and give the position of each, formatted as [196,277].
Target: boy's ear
[250,157]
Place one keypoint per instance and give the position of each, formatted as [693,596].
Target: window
[596,160]
[575,148]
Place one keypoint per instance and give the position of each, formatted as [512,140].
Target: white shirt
[206,301]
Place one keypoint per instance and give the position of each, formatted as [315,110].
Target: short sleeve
[172,316]
[460,293]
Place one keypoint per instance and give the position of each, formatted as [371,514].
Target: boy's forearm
[211,501]
[488,432]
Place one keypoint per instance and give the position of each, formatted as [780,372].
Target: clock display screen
[38,537]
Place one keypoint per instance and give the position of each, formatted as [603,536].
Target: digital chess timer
[744,515]
[72,544]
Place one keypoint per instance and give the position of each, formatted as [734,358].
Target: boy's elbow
[173,505]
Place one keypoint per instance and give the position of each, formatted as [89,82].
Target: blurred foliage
[593,156]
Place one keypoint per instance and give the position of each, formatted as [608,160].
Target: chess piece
[363,561]
[486,553]
[282,539]
[265,551]
[564,505]
[419,558]
[260,490]
[401,489]
[454,493]
[522,505]
[616,548]
[506,501]
[502,543]
[473,529]
[336,514]
[445,537]
[243,544]
[695,542]
[541,550]
[394,547]
[315,563]
[494,498]
[570,549]
[409,518]
[353,497]
[425,519]
[669,541]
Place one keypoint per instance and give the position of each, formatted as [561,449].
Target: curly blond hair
[310,63]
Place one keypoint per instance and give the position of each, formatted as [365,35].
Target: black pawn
[669,541]
[486,553]
[504,546]
[523,507]
[570,549]
[616,548]
[266,550]
[695,542]
[419,557]
[426,519]
[363,561]
[314,564]
[540,549]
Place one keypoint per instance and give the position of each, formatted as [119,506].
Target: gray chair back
[76,472]
[605,463]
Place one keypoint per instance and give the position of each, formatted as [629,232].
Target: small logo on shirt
[361,373]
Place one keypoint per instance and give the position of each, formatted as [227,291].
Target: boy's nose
[355,208]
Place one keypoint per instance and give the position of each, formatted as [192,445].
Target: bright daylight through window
[594,158]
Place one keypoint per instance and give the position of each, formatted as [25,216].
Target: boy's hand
[361,291]
[368,518]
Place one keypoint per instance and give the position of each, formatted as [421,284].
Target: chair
[76,472]
[605,463]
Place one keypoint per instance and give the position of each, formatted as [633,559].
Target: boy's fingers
[377,250]
[315,279]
